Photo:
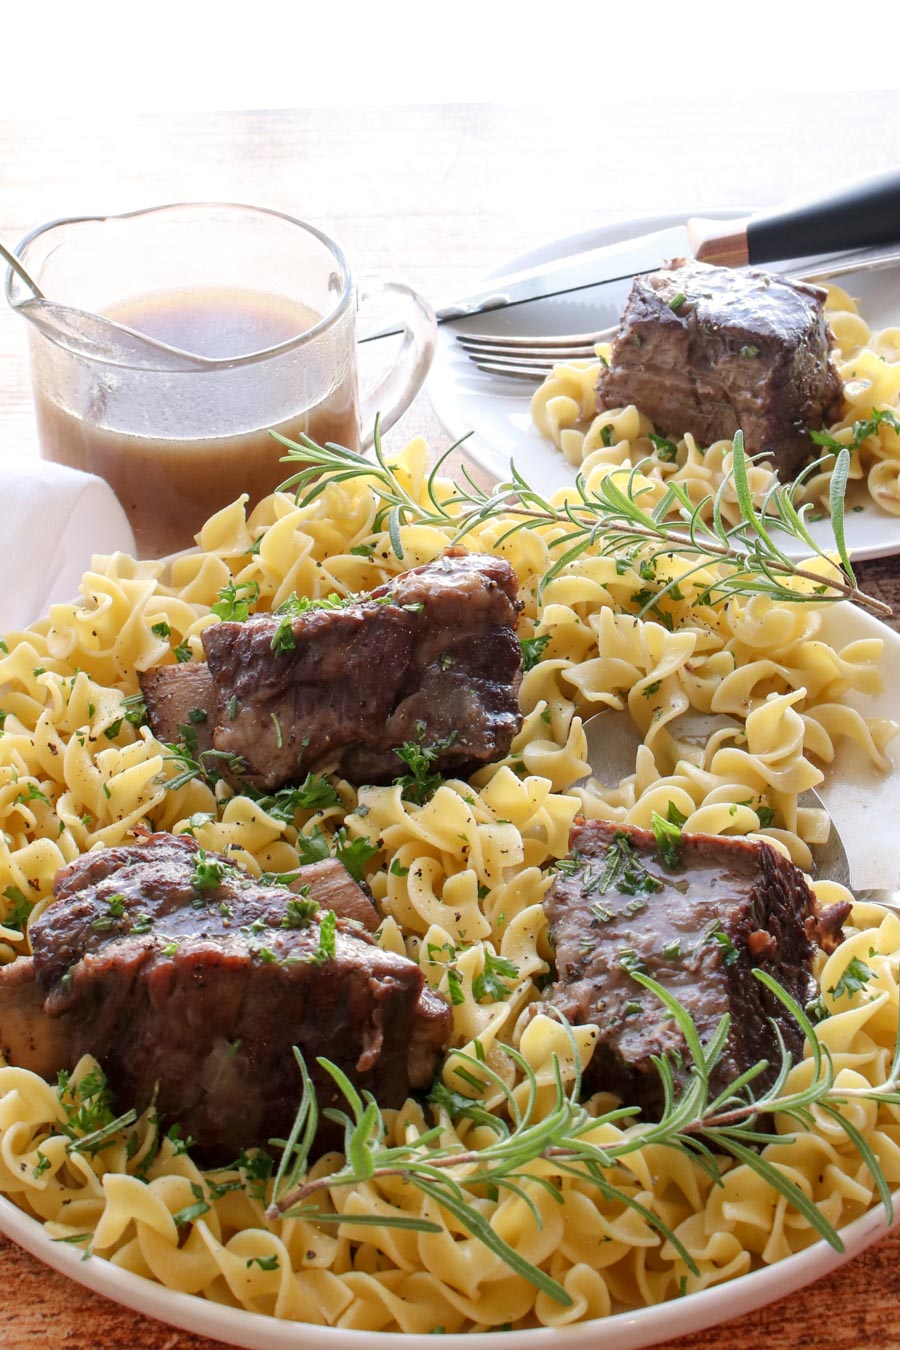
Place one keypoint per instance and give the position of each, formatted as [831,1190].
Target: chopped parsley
[666,450]
[488,983]
[89,1123]
[17,915]
[255,1168]
[862,430]
[135,709]
[674,816]
[533,649]
[200,1207]
[182,652]
[115,906]
[316,792]
[855,976]
[299,911]
[161,629]
[209,872]
[423,779]
[717,938]
[353,854]
[455,987]
[283,637]
[669,840]
[327,932]
[196,821]
[459,1107]
[235,600]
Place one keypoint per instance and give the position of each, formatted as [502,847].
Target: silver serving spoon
[612,745]
[93,336]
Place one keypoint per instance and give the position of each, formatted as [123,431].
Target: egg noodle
[459,883]
[564,410]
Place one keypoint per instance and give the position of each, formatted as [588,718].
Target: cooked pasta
[459,883]
[564,411]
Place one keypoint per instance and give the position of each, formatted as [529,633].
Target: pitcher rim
[198,361]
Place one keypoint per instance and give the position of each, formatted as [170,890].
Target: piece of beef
[709,350]
[28,1037]
[191,981]
[430,658]
[698,926]
[172,694]
[331,886]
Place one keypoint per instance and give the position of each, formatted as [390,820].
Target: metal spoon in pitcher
[92,335]
[613,740]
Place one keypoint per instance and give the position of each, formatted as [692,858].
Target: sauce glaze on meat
[708,350]
[698,928]
[190,982]
[432,657]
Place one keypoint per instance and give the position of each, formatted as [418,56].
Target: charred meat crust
[194,994]
[728,906]
[432,657]
[708,350]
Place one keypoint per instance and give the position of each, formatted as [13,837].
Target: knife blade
[859,215]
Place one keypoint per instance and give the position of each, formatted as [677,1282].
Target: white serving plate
[866,807]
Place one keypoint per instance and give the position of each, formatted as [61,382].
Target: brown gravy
[169,484]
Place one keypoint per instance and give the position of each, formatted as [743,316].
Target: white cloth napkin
[53,519]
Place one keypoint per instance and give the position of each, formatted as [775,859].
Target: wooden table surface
[440,195]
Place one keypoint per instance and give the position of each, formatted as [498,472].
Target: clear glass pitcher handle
[395,392]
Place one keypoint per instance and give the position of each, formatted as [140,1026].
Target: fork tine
[528,358]
[517,370]
[478,341]
[545,351]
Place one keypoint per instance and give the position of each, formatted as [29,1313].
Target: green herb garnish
[209,873]
[235,599]
[423,779]
[613,514]
[489,982]
[532,649]
[623,871]
[855,976]
[327,932]
[560,1135]
[299,912]
[669,839]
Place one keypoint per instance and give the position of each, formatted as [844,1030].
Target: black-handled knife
[861,215]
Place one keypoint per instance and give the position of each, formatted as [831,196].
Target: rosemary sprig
[614,515]
[728,1125]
